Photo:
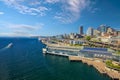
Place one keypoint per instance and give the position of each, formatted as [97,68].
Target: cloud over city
[19,29]
[70,10]
[26,9]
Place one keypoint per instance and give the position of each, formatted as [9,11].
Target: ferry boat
[9,45]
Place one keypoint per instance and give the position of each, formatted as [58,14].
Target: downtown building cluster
[105,34]
[102,36]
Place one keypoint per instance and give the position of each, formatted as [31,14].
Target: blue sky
[53,17]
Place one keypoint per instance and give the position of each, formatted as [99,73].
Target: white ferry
[9,45]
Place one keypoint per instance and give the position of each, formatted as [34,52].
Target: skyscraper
[102,28]
[81,30]
[90,31]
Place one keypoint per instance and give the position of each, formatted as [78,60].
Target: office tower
[81,30]
[102,28]
[90,31]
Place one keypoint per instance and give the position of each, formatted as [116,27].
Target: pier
[75,58]
[54,53]
[96,63]
[57,54]
[64,48]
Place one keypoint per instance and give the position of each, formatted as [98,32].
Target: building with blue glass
[96,53]
[90,31]
[102,28]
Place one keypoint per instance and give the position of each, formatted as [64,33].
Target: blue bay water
[24,60]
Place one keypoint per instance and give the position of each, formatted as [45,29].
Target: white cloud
[35,2]
[1,13]
[6,34]
[68,10]
[16,34]
[25,27]
[52,1]
[21,26]
[24,9]
[11,29]
[71,10]
[94,10]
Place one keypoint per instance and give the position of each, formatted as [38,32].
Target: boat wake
[9,45]
[6,47]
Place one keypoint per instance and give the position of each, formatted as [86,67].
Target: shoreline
[100,68]
[113,74]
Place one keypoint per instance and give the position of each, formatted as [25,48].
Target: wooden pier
[75,58]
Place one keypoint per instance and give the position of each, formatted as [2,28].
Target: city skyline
[54,17]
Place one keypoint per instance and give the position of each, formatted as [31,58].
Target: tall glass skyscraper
[90,31]
[102,28]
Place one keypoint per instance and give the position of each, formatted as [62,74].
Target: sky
[54,17]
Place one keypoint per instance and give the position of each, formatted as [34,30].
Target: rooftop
[96,51]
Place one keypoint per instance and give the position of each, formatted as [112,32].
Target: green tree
[88,38]
[118,53]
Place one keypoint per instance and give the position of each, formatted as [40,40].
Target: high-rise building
[96,33]
[81,30]
[90,31]
[102,28]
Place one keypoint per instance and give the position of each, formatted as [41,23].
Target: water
[24,61]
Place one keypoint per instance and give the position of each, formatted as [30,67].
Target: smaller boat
[9,45]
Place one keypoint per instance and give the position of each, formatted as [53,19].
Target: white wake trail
[6,47]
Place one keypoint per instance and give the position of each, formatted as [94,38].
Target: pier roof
[96,51]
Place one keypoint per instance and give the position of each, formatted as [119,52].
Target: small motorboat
[9,45]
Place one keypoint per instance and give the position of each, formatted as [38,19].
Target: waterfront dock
[99,65]
[113,74]
[96,63]
[54,53]
[75,58]
[63,48]
[57,54]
